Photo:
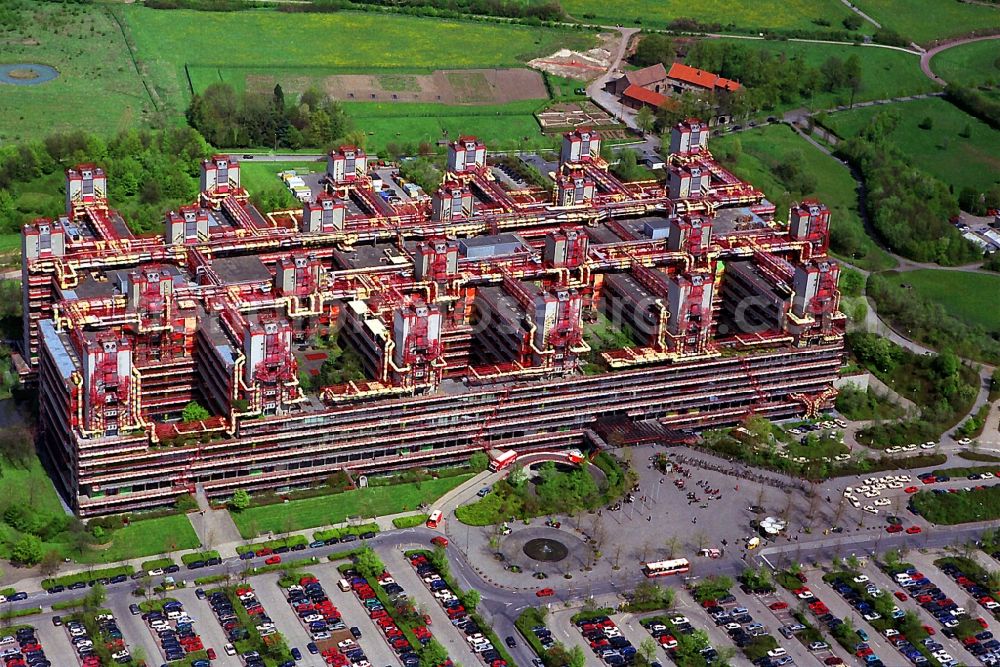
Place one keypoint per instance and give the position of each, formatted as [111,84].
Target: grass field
[941,150]
[504,125]
[259,176]
[325,510]
[963,295]
[764,146]
[970,64]
[299,44]
[147,538]
[774,14]
[885,73]
[925,21]
[97,88]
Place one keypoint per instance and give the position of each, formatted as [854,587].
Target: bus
[666,567]
[434,519]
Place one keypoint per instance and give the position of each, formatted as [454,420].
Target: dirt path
[927,56]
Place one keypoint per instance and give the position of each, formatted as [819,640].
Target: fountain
[545,549]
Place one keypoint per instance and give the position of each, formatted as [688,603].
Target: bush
[959,507]
[409,521]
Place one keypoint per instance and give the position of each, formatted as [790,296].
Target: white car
[777,652]
[909,448]
[680,620]
[986,475]
[861,579]
[345,644]
[229,649]
[155,572]
[871,509]
[882,502]
[932,445]
[889,632]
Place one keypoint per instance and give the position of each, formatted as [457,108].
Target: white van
[344,585]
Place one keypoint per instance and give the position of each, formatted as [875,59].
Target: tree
[470,599]
[645,119]
[50,563]
[240,500]
[479,461]
[517,476]
[647,649]
[654,48]
[194,412]
[95,597]
[433,654]
[926,124]
[577,658]
[27,550]
[368,563]
[17,444]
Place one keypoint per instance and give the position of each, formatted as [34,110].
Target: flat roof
[241,269]
[65,360]
[368,256]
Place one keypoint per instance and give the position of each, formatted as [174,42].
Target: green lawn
[765,146]
[324,510]
[969,64]
[509,125]
[97,90]
[928,20]
[885,73]
[259,177]
[963,295]
[146,538]
[773,14]
[941,151]
[310,44]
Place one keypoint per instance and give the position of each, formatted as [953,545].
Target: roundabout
[545,549]
[27,74]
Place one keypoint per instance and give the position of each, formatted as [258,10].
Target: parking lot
[354,615]
[449,636]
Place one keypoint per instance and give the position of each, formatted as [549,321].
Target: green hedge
[273,544]
[410,521]
[154,605]
[278,567]
[324,535]
[157,564]
[68,604]
[87,577]
[187,559]
[213,579]
[959,507]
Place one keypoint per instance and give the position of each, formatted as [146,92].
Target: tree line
[908,208]
[148,173]
[227,118]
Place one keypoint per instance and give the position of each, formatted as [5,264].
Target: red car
[211,653]
[273,560]
[439,541]
[900,595]
[982,623]
[913,530]
[894,528]
[264,551]
[929,480]
[929,630]
[910,489]
[833,660]
[775,606]
[544,592]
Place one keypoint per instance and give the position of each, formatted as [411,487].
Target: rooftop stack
[452,202]
[86,185]
[466,154]
[346,165]
[188,225]
[324,215]
[580,145]
[689,136]
[220,176]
